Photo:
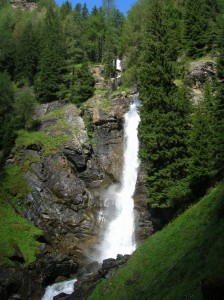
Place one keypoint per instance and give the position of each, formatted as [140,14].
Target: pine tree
[164,113]
[51,62]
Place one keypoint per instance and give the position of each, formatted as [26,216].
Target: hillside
[179,262]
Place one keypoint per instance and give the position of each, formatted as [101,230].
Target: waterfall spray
[119,235]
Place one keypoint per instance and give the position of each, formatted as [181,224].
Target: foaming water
[66,287]
[119,235]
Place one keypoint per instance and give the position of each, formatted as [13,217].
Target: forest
[46,55]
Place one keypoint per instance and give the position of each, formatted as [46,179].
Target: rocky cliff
[24,4]
[75,154]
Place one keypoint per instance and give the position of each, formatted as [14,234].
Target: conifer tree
[95,35]
[109,49]
[165,111]
[202,168]
[219,109]
[51,62]
[200,26]
[27,50]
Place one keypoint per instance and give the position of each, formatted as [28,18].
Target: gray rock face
[199,72]
[24,4]
[66,184]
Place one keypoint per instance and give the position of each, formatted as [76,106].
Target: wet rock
[87,283]
[29,283]
[144,226]
[61,296]
[17,255]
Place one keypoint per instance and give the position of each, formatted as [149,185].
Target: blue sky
[122,5]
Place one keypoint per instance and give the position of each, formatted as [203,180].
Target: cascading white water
[119,235]
[66,287]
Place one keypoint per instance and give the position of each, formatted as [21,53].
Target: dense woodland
[45,56]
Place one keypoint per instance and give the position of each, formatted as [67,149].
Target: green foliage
[172,263]
[51,61]
[15,231]
[6,101]
[7,23]
[94,35]
[27,51]
[165,111]
[203,142]
[79,85]
[113,29]
[219,110]
[200,22]
[24,107]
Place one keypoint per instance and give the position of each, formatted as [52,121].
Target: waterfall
[119,234]
[66,287]
[119,213]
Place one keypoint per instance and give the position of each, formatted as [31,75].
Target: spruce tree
[164,127]
[51,61]
[27,51]
[219,109]
[202,168]
[109,49]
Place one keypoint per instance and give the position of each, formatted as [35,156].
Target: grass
[171,264]
[48,144]
[13,182]
[16,231]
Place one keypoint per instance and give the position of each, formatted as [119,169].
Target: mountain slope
[179,262]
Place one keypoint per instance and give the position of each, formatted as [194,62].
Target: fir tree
[165,111]
[27,54]
[219,109]
[51,62]
[202,167]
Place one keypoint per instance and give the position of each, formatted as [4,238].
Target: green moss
[172,263]
[16,231]
[48,144]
